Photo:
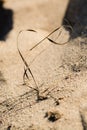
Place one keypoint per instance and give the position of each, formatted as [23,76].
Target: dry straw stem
[52,41]
[23,59]
[39,97]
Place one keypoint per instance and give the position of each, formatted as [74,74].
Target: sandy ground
[59,71]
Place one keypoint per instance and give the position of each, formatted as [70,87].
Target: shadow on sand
[76,16]
[6,21]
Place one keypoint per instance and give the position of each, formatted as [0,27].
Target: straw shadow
[6,21]
[76,16]
[2,79]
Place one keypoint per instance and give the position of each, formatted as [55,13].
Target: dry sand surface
[60,72]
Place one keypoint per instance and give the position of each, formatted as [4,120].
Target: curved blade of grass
[23,59]
[47,37]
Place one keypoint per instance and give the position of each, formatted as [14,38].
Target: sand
[60,72]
